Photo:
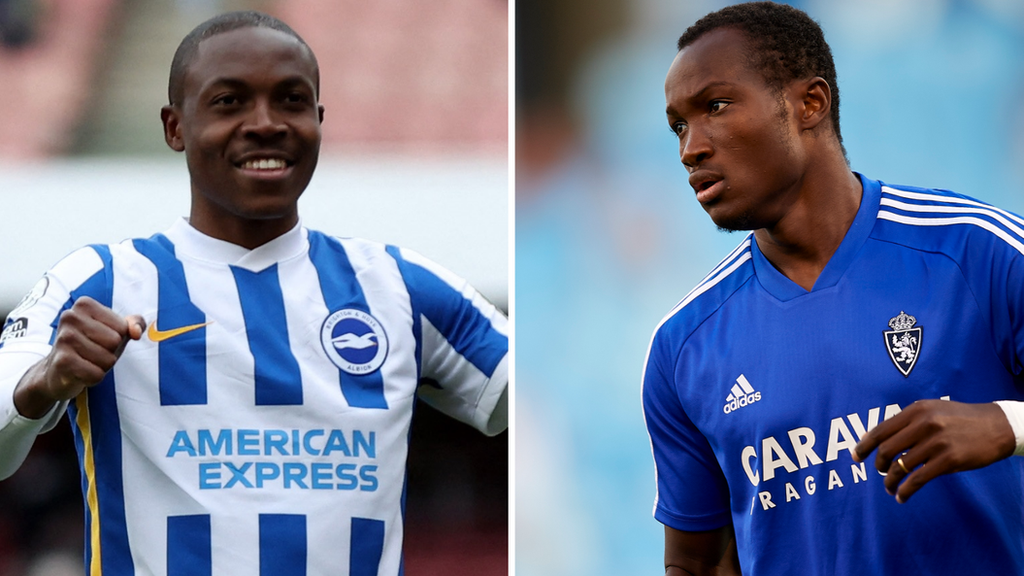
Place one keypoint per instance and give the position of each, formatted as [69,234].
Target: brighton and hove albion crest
[354,341]
[903,342]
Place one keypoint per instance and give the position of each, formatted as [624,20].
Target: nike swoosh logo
[161,335]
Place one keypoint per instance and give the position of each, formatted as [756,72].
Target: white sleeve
[464,345]
[1015,414]
[467,395]
[24,341]
[17,433]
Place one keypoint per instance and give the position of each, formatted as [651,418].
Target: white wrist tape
[1015,414]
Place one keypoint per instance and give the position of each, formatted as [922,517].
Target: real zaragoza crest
[903,342]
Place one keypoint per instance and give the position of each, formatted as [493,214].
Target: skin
[90,338]
[935,437]
[250,93]
[778,166]
[712,552]
[769,160]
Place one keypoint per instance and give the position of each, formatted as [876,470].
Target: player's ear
[320,108]
[171,117]
[815,97]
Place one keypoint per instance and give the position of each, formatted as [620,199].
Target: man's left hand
[935,437]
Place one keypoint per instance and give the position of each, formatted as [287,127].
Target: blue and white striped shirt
[261,425]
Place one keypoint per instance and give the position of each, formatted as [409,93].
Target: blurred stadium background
[415,153]
[609,237]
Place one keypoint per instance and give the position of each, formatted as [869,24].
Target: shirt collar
[785,289]
[193,244]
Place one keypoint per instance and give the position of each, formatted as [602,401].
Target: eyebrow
[700,93]
[239,83]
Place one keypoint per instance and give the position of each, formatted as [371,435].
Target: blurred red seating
[44,86]
[409,74]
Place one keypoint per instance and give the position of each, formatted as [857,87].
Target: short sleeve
[463,344]
[692,493]
[30,327]
[987,246]
[1012,293]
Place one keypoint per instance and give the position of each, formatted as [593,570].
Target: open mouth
[708,190]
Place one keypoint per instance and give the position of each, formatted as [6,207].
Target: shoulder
[371,258]
[362,255]
[81,263]
[84,271]
[705,300]
[367,253]
[321,240]
[941,221]
[88,263]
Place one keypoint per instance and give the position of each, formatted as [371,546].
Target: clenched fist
[90,338]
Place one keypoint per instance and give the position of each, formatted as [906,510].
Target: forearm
[16,440]
[18,432]
[707,553]
[701,570]
[29,399]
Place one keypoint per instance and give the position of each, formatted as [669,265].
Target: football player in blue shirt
[240,387]
[856,317]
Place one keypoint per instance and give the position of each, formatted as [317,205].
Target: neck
[246,233]
[801,243]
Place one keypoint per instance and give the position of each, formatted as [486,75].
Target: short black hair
[785,44]
[227,22]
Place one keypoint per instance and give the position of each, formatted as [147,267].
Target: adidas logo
[742,394]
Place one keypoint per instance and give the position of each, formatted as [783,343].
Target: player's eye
[717,105]
[677,128]
[298,101]
[225,100]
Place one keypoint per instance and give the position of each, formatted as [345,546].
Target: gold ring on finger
[902,465]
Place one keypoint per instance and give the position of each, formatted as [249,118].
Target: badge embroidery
[37,292]
[903,342]
[355,341]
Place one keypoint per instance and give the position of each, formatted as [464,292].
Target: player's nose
[695,146]
[263,121]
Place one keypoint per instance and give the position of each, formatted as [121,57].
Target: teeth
[265,164]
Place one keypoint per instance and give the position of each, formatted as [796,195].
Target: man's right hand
[90,338]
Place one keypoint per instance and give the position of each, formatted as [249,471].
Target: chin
[266,207]
[270,212]
[270,201]
[733,222]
